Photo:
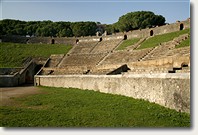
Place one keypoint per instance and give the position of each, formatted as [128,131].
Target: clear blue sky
[102,11]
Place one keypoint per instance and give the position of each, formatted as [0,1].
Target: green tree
[139,19]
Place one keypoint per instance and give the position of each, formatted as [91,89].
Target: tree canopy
[136,20]
[47,28]
[127,22]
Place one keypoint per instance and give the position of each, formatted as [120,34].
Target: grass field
[127,43]
[156,40]
[59,107]
[13,54]
[184,43]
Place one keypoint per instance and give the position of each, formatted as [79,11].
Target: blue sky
[91,10]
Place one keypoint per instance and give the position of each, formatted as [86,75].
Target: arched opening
[27,41]
[184,65]
[125,37]
[151,33]
[53,41]
[181,26]
[28,78]
[100,39]
[37,68]
[77,41]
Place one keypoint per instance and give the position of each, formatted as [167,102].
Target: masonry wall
[9,80]
[10,77]
[170,90]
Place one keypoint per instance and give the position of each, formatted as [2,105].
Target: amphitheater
[159,74]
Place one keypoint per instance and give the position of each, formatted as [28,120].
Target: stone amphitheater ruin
[159,74]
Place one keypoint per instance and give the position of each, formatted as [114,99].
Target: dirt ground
[7,94]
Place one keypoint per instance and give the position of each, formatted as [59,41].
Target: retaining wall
[170,90]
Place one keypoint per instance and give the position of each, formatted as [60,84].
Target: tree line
[127,22]
[47,28]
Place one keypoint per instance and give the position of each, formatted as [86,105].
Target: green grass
[156,40]
[184,43]
[59,107]
[13,54]
[127,43]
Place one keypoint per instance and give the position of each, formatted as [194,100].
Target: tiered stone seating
[152,70]
[160,51]
[101,71]
[82,59]
[106,46]
[70,70]
[54,60]
[183,51]
[83,47]
[125,56]
[94,57]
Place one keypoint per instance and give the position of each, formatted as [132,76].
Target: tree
[139,20]
[129,21]
[84,28]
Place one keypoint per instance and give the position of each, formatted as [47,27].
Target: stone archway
[184,65]
[27,41]
[151,33]
[28,78]
[125,37]
[52,41]
[100,39]
[181,26]
[37,68]
[77,41]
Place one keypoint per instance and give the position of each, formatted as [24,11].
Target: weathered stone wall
[170,90]
[15,39]
[9,80]
[19,75]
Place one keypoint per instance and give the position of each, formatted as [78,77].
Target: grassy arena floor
[60,107]
[13,54]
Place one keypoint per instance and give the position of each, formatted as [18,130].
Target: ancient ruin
[158,74]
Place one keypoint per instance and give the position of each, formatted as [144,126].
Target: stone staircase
[54,60]
[148,53]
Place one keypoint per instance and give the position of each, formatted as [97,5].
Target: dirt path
[8,93]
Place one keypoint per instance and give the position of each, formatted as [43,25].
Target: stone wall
[17,76]
[169,90]
[9,80]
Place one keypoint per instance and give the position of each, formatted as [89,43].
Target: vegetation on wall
[129,21]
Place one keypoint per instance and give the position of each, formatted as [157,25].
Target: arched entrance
[77,40]
[28,78]
[53,41]
[37,68]
[27,41]
[151,33]
[184,65]
[100,40]
[181,26]
[125,37]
